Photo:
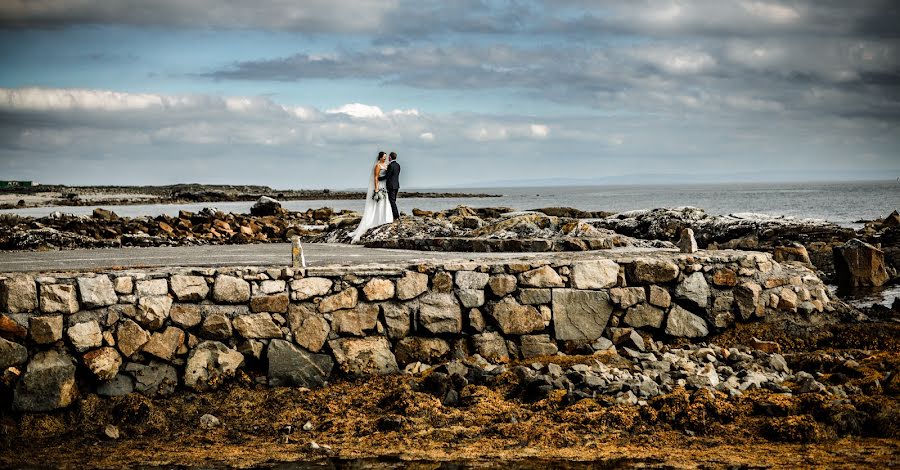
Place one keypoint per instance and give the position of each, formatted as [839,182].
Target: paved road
[275,254]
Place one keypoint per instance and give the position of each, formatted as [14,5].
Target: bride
[378,208]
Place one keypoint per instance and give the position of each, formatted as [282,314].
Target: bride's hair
[380,154]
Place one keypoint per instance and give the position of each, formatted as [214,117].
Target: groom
[391,180]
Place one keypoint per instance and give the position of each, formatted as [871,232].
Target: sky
[303,94]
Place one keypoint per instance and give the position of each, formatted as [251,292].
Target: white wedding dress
[376,212]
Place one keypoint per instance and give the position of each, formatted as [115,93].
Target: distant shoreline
[61,195]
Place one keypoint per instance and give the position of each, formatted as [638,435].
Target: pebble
[209,421]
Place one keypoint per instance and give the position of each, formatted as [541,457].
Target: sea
[843,203]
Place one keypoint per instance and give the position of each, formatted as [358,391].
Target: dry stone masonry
[153,332]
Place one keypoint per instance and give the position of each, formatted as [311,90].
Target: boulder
[152,311]
[164,344]
[151,287]
[130,337]
[343,300]
[687,243]
[746,297]
[858,263]
[230,290]
[397,318]
[364,356]
[58,298]
[643,315]
[796,253]
[440,313]
[265,206]
[442,282]
[273,303]
[625,297]
[659,297]
[209,364]
[97,291]
[273,286]
[18,294]
[12,354]
[644,271]
[537,346]
[787,299]
[153,380]
[123,285]
[544,276]
[104,363]
[46,329]
[356,321]
[189,288]
[379,289]
[470,298]
[309,328]
[417,349]
[216,326]
[598,274]
[309,287]
[502,284]
[411,285]
[514,318]
[580,315]
[84,336]
[48,383]
[535,296]
[185,315]
[694,289]
[256,326]
[467,280]
[684,324]
[292,366]
[491,346]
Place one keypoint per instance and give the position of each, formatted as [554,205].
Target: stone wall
[154,332]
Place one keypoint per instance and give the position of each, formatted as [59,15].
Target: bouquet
[379,195]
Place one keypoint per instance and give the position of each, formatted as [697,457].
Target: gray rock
[476,320]
[270,287]
[48,383]
[164,344]
[379,289]
[309,287]
[130,337]
[397,318]
[292,366]
[516,319]
[230,290]
[598,274]
[644,271]
[502,284]
[747,299]
[470,298]
[411,285]
[104,363]
[440,313]
[471,280]
[695,289]
[209,421]
[153,380]
[189,288]
[345,299]
[46,329]
[687,243]
[123,285]
[152,287]
[265,206]
[97,291]
[58,298]
[120,385]
[209,364]
[364,356]
[580,315]
[309,328]
[537,345]
[12,354]
[544,276]
[356,321]
[152,312]
[84,336]
[18,294]
[684,324]
[417,349]
[216,326]
[256,326]
[644,315]
[491,346]
[532,296]
[625,297]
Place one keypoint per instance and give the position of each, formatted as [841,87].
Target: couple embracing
[381,196]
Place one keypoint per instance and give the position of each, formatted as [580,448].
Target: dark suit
[391,180]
